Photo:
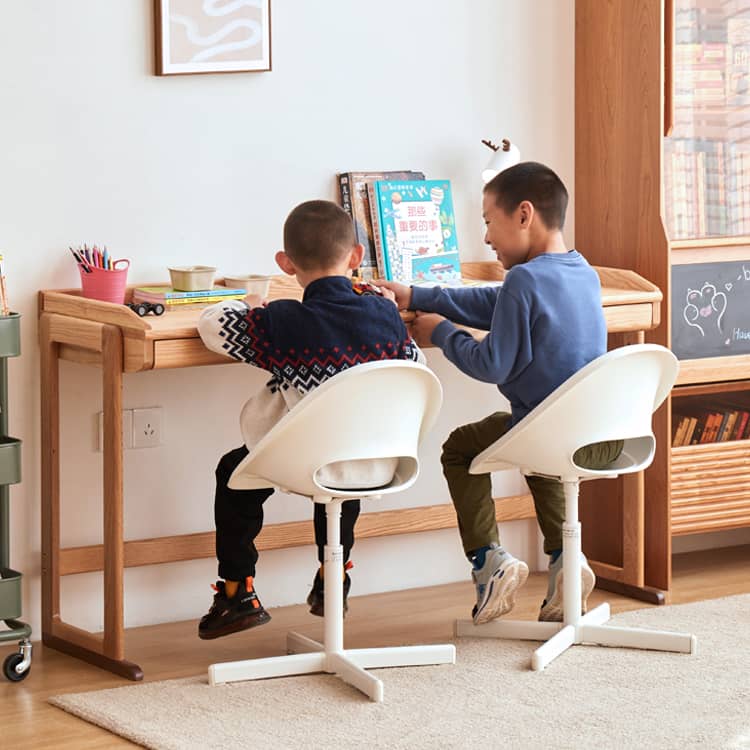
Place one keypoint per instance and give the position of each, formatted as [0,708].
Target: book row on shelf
[711,427]
[707,187]
[711,57]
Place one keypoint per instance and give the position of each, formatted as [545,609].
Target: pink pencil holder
[107,286]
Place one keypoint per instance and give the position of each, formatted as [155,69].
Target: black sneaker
[230,615]
[316,597]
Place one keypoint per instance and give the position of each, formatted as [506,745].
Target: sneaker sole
[319,611]
[553,610]
[245,623]
[500,594]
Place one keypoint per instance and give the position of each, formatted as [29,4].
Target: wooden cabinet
[662,187]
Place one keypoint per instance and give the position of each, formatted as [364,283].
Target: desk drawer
[185,353]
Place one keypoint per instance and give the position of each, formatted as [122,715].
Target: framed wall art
[212,36]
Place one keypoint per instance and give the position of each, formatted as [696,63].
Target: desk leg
[106,651]
[50,424]
[114,558]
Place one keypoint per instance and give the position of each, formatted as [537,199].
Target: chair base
[590,629]
[307,656]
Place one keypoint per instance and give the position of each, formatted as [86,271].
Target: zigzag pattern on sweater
[304,371]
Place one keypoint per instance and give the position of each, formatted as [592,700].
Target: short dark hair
[317,234]
[533,182]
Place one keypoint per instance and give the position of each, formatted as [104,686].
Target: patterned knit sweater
[302,344]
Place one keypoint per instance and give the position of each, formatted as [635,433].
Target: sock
[230,588]
[554,555]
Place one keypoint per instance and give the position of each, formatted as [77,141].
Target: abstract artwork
[212,36]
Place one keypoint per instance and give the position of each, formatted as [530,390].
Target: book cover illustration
[418,231]
[355,201]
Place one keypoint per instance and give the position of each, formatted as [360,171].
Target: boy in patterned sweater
[301,344]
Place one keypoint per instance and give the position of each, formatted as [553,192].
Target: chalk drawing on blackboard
[705,307]
[711,309]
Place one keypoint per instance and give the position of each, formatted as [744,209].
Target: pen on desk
[105,260]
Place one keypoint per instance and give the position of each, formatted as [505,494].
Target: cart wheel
[9,668]
[158,309]
[141,310]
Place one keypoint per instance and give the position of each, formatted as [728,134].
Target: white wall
[203,169]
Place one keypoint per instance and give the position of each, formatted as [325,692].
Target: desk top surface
[630,303]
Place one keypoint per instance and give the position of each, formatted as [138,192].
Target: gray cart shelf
[17,665]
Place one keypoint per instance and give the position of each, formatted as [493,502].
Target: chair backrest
[612,398]
[374,411]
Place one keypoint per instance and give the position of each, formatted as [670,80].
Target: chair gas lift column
[321,433]
[612,398]
[17,665]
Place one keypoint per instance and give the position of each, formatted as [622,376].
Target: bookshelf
[662,187]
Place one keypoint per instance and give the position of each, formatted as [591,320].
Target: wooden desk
[113,337]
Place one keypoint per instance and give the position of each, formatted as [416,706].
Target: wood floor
[414,616]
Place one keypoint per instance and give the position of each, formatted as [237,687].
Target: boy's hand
[254,300]
[423,325]
[401,292]
[389,294]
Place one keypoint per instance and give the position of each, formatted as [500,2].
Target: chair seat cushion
[357,474]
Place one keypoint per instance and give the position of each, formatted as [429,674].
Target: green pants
[472,493]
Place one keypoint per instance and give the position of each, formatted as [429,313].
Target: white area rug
[591,697]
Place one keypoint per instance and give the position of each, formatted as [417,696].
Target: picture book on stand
[355,201]
[414,227]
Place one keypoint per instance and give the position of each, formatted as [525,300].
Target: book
[699,428]
[415,231]
[679,432]
[729,426]
[688,437]
[740,425]
[726,424]
[709,433]
[162,293]
[186,300]
[353,192]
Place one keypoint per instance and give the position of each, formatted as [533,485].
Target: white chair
[378,412]
[612,398]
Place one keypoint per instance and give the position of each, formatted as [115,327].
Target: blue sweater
[545,323]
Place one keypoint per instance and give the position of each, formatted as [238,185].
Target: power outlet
[127,430]
[147,427]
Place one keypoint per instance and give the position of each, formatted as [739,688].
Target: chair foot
[528,630]
[596,616]
[653,640]
[301,644]
[561,641]
[348,665]
[403,656]
[352,674]
[259,669]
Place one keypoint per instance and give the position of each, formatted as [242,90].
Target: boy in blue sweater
[301,345]
[545,323]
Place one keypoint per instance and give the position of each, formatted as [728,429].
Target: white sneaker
[497,582]
[552,606]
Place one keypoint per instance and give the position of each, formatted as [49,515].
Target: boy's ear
[356,255]
[526,213]
[284,263]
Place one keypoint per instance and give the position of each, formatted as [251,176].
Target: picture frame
[212,36]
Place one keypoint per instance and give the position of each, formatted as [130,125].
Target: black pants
[239,519]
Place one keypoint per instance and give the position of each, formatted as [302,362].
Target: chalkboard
[711,309]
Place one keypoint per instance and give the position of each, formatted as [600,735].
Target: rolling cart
[16,666]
